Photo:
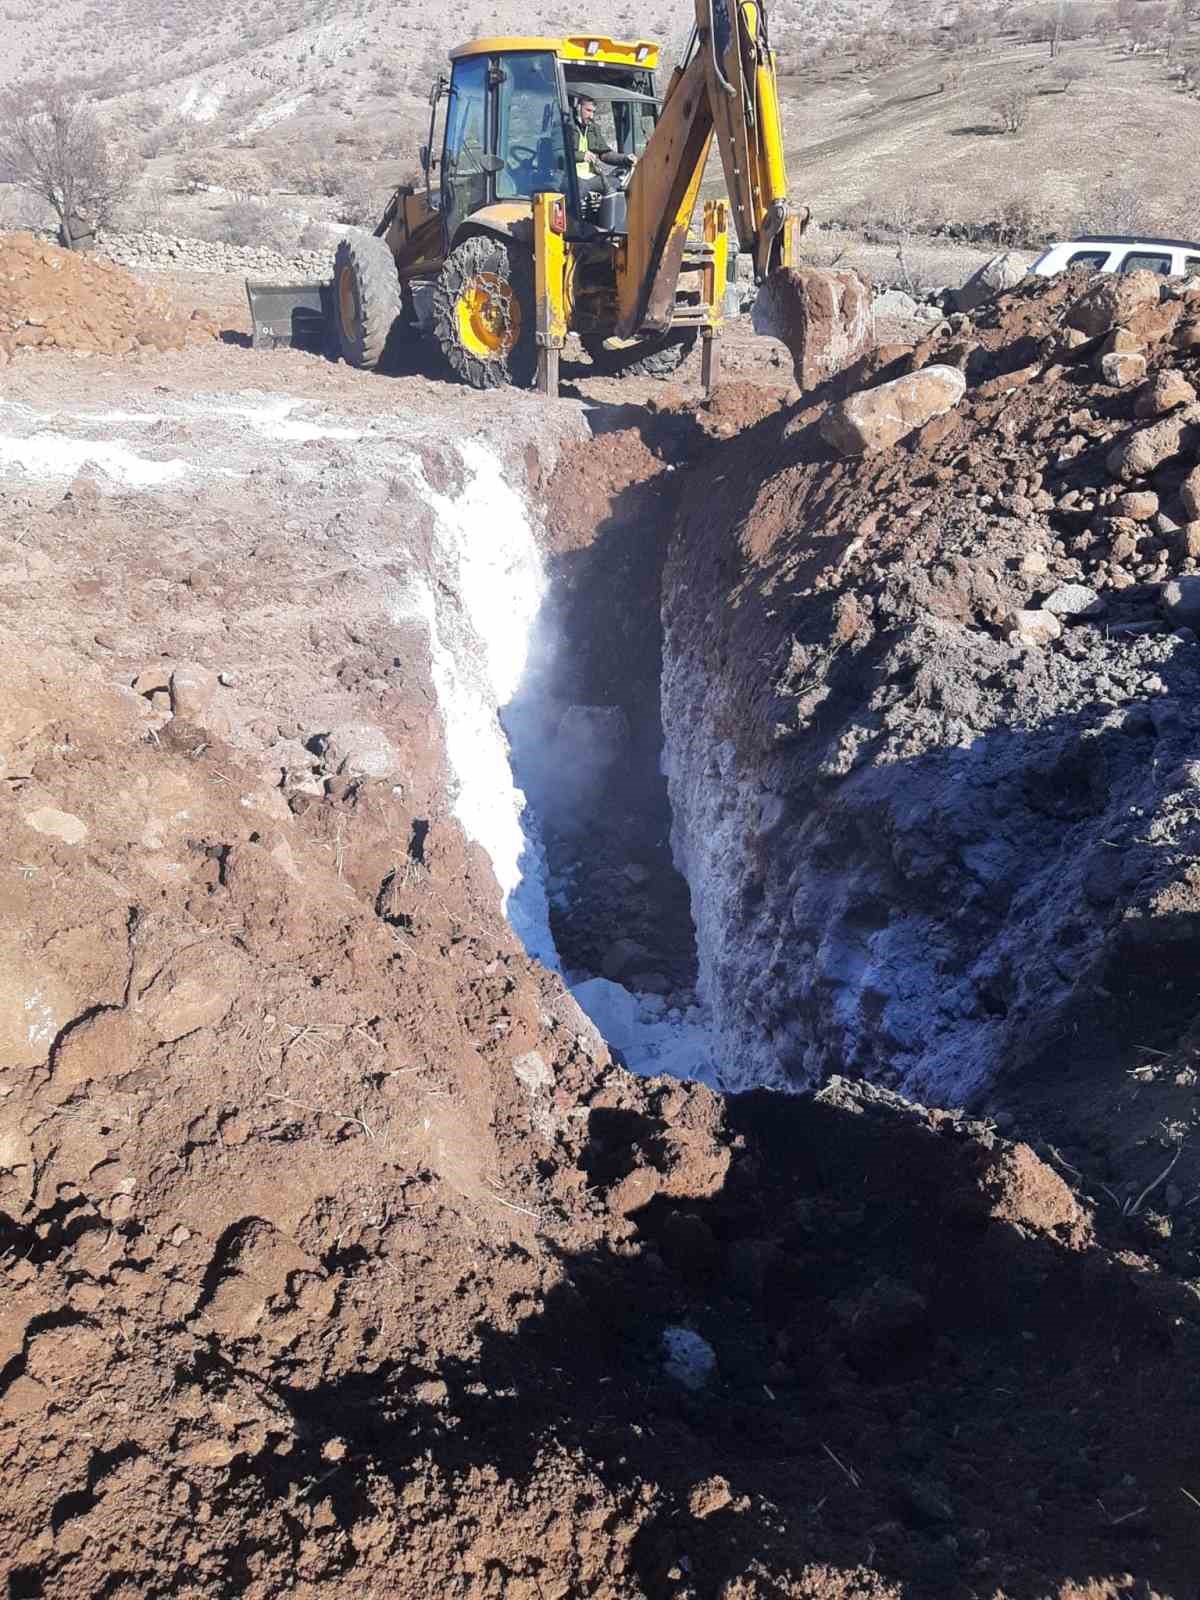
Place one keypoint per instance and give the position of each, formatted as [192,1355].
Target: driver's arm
[605,153]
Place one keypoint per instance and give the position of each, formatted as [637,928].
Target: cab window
[633,123]
[1191,264]
[530,139]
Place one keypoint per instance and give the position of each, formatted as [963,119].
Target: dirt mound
[52,298]
[932,713]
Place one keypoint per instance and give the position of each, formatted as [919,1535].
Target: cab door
[466,162]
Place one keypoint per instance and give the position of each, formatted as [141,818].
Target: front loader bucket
[291,315]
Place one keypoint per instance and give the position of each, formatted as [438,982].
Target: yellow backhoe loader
[541,217]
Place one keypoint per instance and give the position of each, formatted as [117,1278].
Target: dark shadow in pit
[586,725]
[904,1380]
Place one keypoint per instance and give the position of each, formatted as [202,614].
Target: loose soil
[337,1255]
[58,299]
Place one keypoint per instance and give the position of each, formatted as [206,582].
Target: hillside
[894,108]
[1122,134]
[288,44]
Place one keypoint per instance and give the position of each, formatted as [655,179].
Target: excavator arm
[725,86]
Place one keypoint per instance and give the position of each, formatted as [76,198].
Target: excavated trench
[548,674]
[587,744]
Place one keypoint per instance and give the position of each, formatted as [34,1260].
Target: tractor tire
[660,357]
[484,315]
[366,299]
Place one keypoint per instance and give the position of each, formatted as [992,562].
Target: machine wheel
[483,313]
[647,358]
[366,299]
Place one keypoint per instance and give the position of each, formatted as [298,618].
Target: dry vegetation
[978,119]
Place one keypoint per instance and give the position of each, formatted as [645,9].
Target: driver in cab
[592,149]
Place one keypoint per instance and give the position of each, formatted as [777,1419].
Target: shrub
[315,236]
[1023,220]
[359,203]
[249,222]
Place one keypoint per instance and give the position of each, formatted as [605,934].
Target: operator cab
[511,125]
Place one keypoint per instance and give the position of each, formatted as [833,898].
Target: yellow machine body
[625,268]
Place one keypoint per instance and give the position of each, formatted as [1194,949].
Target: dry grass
[853,141]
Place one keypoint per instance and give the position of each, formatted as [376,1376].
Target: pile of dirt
[933,715]
[60,299]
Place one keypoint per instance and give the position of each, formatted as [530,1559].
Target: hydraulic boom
[725,85]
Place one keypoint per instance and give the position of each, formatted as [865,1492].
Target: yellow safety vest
[583,167]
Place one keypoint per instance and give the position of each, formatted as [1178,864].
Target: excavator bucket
[288,316]
[823,317]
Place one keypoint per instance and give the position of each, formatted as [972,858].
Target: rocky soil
[931,708]
[53,299]
[339,1257]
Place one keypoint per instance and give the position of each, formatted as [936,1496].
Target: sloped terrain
[923,134]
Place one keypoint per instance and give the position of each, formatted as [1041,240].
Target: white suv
[1173,258]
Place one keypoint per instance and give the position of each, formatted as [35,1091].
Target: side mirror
[424,158]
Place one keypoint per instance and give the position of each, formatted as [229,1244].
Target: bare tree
[1011,109]
[894,218]
[53,145]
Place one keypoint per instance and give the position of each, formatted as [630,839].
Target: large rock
[1120,369]
[824,319]
[360,750]
[1139,453]
[1180,600]
[876,419]
[894,303]
[997,276]
[1139,505]
[1072,600]
[193,690]
[1033,628]
[1111,299]
[1166,391]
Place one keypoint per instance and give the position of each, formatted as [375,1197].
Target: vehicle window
[531,142]
[1094,260]
[1192,264]
[634,124]
[464,172]
[1146,261]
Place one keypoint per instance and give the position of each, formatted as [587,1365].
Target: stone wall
[169,252]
